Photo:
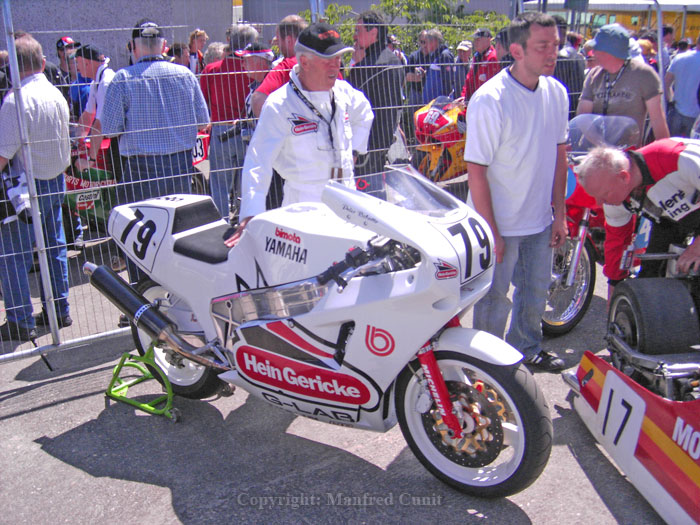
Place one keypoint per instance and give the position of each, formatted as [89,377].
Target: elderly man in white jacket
[310,130]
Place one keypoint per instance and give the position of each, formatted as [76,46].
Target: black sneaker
[13,332]
[123,321]
[546,362]
[42,319]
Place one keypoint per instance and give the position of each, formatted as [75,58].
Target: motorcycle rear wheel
[187,378]
[654,316]
[566,305]
[491,462]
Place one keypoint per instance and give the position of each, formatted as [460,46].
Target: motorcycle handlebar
[353,258]
[378,247]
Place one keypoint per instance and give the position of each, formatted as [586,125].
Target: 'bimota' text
[279,232]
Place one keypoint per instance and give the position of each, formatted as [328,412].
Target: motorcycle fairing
[655,441]
[280,357]
[296,242]
[468,236]
[140,230]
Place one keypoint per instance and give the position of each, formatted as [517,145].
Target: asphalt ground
[67,456]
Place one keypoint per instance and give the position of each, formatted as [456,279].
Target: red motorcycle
[573,267]
[440,130]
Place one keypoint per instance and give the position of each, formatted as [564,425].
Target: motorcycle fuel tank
[296,242]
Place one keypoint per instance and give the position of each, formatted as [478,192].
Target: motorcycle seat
[206,246]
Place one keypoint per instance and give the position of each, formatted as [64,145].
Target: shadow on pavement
[619,496]
[247,467]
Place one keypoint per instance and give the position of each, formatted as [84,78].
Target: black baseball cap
[322,40]
[146,28]
[89,52]
[502,37]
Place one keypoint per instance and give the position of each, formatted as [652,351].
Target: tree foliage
[407,18]
[340,16]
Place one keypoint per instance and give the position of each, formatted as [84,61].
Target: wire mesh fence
[411,69]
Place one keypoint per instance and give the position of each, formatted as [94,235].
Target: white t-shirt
[98,88]
[515,132]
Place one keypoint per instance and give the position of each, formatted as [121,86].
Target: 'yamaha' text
[286,250]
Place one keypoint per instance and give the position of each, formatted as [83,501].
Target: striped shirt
[156,106]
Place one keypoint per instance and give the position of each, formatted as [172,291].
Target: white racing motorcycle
[345,312]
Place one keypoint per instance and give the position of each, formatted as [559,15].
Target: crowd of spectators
[221,89]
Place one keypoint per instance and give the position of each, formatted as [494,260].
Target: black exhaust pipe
[143,314]
[132,304]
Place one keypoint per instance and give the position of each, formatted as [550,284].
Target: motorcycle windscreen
[403,205]
[588,130]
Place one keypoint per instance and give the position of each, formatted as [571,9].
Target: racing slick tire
[654,316]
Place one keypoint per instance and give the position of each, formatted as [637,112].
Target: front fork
[438,389]
[578,248]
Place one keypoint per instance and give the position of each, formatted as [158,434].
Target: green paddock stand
[118,388]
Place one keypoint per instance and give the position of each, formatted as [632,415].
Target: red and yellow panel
[655,441]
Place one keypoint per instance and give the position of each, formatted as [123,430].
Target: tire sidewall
[526,399]
[658,303]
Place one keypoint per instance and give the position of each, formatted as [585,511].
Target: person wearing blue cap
[620,86]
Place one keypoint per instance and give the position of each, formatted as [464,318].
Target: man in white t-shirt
[93,64]
[516,155]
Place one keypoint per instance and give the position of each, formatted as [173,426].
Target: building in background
[107,24]
[588,16]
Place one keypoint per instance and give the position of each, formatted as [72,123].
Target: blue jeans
[678,124]
[148,176]
[224,159]
[16,258]
[527,263]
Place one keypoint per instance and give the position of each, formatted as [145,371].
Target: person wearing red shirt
[225,87]
[661,179]
[287,32]
[484,65]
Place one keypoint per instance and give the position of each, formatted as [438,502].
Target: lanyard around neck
[610,85]
[315,111]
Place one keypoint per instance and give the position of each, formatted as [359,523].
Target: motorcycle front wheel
[507,429]
[566,305]
[188,379]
